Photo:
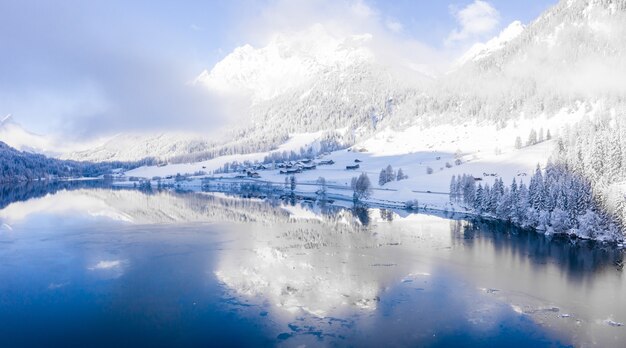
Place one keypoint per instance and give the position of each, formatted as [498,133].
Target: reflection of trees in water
[33,189]
[362,214]
[386,215]
[152,205]
[579,259]
[268,194]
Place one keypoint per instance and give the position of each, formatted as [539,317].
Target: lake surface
[85,266]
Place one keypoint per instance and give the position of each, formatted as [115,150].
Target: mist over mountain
[313,80]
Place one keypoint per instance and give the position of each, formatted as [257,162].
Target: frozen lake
[103,267]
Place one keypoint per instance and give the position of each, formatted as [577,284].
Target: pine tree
[453,188]
[614,165]
[478,200]
[400,175]
[382,177]
[469,190]
[390,175]
[518,143]
[503,211]
[532,138]
[361,186]
[486,201]
[535,190]
[521,205]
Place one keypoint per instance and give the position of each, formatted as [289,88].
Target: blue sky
[97,67]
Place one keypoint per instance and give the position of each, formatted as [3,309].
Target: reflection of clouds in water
[55,286]
[132,206]
[324,265]
[106,265]
[108,269]
[81,202]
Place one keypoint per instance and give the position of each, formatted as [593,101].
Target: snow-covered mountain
[299,82]
[14,135]
[573,53]
[481,50]
[134,147]
[286,62]
[526,71]
[313,80]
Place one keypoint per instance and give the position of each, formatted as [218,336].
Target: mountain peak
[481,50]
[6,120]
[287,61]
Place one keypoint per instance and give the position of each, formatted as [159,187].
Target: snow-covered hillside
[481,147]
[481,50]
[134,147]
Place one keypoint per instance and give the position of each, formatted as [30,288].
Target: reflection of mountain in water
[148,207]
[319,258]
[33,189]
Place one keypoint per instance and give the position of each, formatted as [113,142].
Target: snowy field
[481,150]
[484,151]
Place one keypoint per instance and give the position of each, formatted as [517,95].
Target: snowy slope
[481,50]
[484,148]
[134,147]
[295,142]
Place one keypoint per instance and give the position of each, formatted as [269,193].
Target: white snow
[287,61]
[295,142]
[483,148]
[481,50]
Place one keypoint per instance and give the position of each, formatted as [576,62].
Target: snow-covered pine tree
[478,200]
[382,177]
[532,138]
[453,188]
[401,175]
[390,174]
[518,142]
[486,200]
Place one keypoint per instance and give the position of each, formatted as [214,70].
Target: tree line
[19,166]
[556,200]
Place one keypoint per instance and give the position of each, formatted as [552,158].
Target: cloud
[474,21]
[347,17]
[96,70]
[394,26]
[93,70]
